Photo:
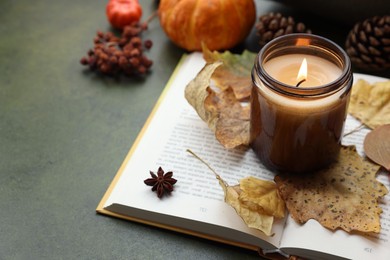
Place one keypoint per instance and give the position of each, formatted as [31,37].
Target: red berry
[84,61]
[148,44]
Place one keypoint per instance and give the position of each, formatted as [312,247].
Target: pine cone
[368,44]
[272,25]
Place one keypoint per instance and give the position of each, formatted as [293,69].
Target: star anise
[162,183]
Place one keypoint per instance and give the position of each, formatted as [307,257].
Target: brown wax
[296,139]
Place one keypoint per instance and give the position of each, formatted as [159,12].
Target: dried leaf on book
[256,201]
[234,73]
[221,110]
[345,195]
[252,219]
[370,103]
[377,146]
[198,90]
[262,196]
[232,124]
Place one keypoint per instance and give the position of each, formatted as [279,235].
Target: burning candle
[299,102]
[293,68]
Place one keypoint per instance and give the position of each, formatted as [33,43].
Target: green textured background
[64,132]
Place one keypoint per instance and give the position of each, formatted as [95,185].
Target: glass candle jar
[297,120]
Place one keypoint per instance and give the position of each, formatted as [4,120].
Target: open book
[197,207]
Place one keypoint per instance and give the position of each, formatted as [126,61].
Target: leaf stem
[208,166]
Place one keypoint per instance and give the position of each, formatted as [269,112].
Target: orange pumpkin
[219,24]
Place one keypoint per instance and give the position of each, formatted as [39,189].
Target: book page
[313,236]
[197,202]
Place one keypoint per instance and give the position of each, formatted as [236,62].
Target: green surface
[64,132]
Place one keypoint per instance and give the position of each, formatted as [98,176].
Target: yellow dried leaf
[343,196]
[252,218]
[198,90]
[256,201]
[371,103]
[262,196]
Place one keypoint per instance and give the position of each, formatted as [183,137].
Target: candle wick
[300,82]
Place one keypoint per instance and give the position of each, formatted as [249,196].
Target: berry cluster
[113,55]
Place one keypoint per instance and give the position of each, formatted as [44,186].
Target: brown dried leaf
[377,146]
[223,113]
[232,123]
[235,72]
[343,196]
[371,103]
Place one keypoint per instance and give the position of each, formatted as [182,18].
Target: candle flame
[302,74]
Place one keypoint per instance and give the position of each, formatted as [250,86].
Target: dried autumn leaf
[234,73]
[371,103]
[252,219]
[223,113]
[232,122]
[263,196]
[198,90]
[343,196]
[256,201]
[377,146]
